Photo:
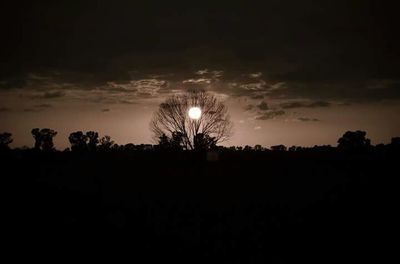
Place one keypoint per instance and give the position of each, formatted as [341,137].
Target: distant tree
[172,117]
[278,148]
[106,143]
[78,141]
[395,142]
[5,140]
[38,138]
[258,148]
[93,138]
[44,138]
[292,148]
[247,148]
[354,139]
[129,147]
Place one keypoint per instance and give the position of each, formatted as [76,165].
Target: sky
[290,72]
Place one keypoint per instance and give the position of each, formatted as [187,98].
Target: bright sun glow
[195,113]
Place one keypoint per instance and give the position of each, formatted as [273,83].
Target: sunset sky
[290,72]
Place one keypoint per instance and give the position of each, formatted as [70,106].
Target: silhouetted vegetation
[44,138]
[231,203]
[212,127]
[354,140]
[5,140]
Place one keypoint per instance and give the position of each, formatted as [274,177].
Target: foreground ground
[283,207]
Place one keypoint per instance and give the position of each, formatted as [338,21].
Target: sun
[194,112]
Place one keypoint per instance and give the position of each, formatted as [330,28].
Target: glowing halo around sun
[195,113]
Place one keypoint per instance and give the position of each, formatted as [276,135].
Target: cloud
[319,104]
[105,110]
[201,72]
[120,88]
[299,104]
[198,81]
[5,109]
[124,101]
[254,86]
[263,106]
[257,96]
[32,110]
[271,114]
[44,106]
[277,86]
[217,74]
[257,128]
[306,119]
[149,86]
[255,75]
[249,107]
[141,88]
[51,95]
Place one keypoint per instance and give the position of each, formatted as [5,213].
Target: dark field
[323,205]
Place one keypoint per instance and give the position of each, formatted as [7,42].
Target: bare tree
[172,117]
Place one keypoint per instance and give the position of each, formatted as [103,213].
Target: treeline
[91,141]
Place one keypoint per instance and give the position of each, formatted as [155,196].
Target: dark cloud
[271,114]
[307,119]
[315,104]
[249,107]
[52,95]
[44,106]
[263,106]
[32,110]
[322,50]
[257,96]
[105,110]
[5,109]
[123,101]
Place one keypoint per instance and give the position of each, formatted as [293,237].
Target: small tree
[78,141]
[93,138]
[44,138]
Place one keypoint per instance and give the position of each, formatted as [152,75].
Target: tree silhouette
[279,148]
[354,139]
[78,141]
[395,141]
[175,142]
[93,138]
[172,117]
[5,140]
[202,141]
[106,143]
[44,138]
